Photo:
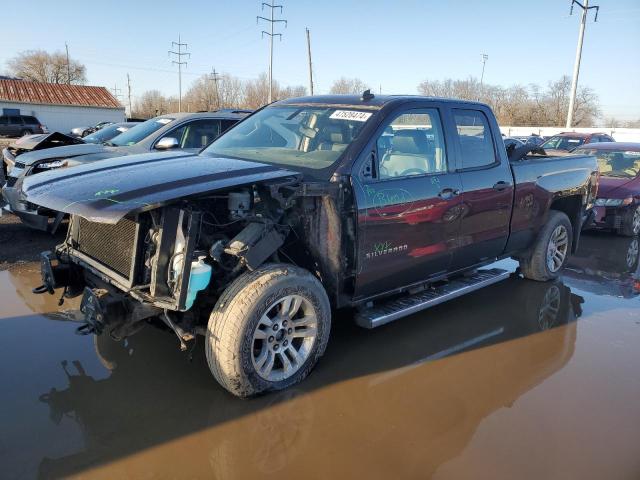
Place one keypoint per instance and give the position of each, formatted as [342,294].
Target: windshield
[625,164]
[105,134]
[563,143]
[141,131]
[292,135]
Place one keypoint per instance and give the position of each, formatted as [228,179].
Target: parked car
[565,142]
[618,202]
[80,132]
[20,125]
[105,134]
[612,271]
[178,131]
[29,143]
[301,208]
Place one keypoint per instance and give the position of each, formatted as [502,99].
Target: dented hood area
[41,141]
[108,190]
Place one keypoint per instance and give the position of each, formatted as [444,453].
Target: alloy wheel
[284,338]
[557,248]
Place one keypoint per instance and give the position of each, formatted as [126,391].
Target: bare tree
[521,105]
[345,85]
[42,66]
[152,103]
[256,92]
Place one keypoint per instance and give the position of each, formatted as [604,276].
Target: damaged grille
[111,245]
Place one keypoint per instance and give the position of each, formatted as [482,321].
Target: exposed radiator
[111,245]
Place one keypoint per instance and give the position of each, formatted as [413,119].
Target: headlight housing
[54,164]
[613,202]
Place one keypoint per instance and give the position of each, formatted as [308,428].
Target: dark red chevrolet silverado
[387,204]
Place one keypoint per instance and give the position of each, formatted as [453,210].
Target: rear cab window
[475,139]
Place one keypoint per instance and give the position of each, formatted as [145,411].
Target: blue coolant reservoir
[198,280]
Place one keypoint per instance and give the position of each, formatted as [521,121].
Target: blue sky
[392,44]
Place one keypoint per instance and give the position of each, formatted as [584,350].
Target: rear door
[15,125]
[407,195]
[487,186]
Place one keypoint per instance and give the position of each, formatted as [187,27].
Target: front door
[408,200]
[487,185]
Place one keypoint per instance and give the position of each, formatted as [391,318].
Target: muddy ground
[19,244]
[522,380]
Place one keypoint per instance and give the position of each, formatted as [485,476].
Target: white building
[60,107]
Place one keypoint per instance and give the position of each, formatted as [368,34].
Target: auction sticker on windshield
[351,115]
[164,121]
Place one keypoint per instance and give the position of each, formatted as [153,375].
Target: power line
[115,91]
[576,67]
[179,54]
[271,21]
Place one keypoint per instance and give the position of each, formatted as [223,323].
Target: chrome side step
[404,306]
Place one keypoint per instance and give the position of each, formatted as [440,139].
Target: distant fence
[619,134]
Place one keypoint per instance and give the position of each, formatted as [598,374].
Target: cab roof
[373,102]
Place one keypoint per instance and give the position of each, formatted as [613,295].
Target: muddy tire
[268,330]
[631,224]
[551,250]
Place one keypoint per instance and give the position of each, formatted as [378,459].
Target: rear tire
[25,132]
[551,250]
[631,225]
[268,330]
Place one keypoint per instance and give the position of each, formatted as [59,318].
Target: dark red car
[618,202]
[565,142]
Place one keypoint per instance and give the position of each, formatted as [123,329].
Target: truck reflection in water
[433,376]
[611,268]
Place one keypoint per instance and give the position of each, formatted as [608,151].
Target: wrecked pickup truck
[386,204]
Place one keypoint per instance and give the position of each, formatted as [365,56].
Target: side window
[412,144]
[15,120]
[226,125]
[4,120]
[474,137]
[199,133]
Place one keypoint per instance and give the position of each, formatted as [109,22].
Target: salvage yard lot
[521,380]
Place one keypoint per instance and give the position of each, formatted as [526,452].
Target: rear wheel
[268,330]
[25,132]
[631,225]
[551,250]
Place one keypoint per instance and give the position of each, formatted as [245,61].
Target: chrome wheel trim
[548,313]
[635,225]
[284,338]
[632,253]
[557,248]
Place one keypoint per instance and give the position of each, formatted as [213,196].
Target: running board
[401,307]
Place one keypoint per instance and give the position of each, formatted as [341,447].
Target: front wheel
[268,330]
[551,250]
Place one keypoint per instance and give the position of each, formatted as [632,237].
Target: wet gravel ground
[521,380]
[19,244]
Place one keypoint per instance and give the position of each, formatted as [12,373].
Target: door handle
[501,185]
[448,193]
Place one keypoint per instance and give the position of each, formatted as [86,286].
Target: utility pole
[68,65]
[485,57]
[215,76]
[310,65]
[179,54]
[576,67]
[115,91]
[129,95]
[271,21]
